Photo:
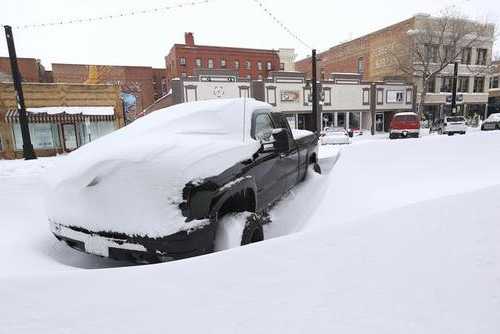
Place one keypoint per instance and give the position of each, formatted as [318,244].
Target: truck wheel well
[243,200]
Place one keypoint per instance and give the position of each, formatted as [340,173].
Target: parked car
[491,123]
[157,189]
[404,125]
[335,135]
[451,125]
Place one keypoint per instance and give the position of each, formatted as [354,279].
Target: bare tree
[437,42]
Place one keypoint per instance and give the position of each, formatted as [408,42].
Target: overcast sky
[146,39]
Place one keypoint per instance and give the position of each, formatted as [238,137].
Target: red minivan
[405,125]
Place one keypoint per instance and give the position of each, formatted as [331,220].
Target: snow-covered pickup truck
[160,188]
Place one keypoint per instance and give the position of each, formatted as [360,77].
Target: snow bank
[374,258]
[418,269]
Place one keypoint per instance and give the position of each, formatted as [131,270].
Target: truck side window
[263,124]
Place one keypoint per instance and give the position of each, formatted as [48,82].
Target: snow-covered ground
[395,237]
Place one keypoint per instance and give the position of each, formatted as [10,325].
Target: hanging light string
[113,16]
[281,24]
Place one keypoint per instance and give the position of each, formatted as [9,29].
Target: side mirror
[281,143]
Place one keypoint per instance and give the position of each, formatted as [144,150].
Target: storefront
[62,129]
[61,117]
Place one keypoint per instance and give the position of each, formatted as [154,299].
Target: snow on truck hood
[131,180]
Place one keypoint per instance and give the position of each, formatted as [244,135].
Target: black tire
[253,231]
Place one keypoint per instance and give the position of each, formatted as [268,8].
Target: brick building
[368,55]
[31,69]
[187,59]
[136,82]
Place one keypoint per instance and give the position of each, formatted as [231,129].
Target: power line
[113,16]
[281,24]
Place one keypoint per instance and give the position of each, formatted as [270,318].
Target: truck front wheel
[238,229]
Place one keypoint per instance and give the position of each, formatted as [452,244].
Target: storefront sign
[290,96]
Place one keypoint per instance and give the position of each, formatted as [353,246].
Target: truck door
[266,168]
[288,161]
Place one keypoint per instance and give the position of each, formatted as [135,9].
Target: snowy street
[396,236]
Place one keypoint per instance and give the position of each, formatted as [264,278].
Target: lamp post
[28,151]
[454,90]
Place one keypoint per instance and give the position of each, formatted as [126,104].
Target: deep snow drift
[400,237]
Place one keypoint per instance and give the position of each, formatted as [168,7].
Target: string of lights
[281,24]
[113,16]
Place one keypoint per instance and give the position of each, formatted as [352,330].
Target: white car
[451,125]
[491,123]
[335,135]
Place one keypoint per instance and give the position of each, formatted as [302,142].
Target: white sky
[146,39]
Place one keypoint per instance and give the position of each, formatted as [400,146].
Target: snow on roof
[406,113]
[90,111]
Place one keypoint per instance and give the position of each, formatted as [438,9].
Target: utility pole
[28,151]
[315,105]
[454,90]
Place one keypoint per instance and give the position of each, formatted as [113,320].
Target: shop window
[90,131]
[43,136]
[354,121]
[478,84]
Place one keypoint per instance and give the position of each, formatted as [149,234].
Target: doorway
[379,122]
[69,137]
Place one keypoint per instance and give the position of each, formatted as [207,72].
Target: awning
[63,114]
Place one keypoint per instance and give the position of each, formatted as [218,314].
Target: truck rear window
[455,119]
[406,118]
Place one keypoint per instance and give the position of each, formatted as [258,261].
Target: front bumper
[490,126]
[140,249]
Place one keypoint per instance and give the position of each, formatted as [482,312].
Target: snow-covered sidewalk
[399,237]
